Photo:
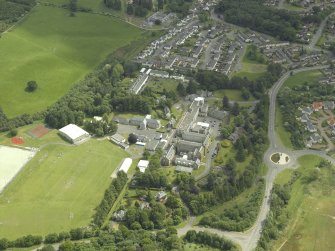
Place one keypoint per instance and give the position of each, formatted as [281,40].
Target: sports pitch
[55,50]
[58,189]
[11,161]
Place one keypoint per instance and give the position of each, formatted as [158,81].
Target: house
[140,122]
[153,123]
[74,133]
[329,105]
[159,74]
[119,215]
[117,138]
[152,145]
[304,118]
[217,114]
[203,110]
[307,110]
[168,156]
[143,165]
[145,205]
[184,169]
[193,136]
[187,146]
[317,106]
[310,127]
[120,120]
[186,162]
[139,83]
[161,196]
[331,121]
[316,138]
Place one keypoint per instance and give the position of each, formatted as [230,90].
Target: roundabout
[280,158]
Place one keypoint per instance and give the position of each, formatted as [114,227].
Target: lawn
[303,77]
[249,75]
[233,95]
[56,51]
[283,135]
[58,189]
[312,210]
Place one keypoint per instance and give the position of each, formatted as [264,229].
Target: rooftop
[73,131]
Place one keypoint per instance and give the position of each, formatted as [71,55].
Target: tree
[235,109]
[181,89]
[73,6]
[191,87]
[117,71]
[46,248]
[66,246]
[160,4]
[12,132]
[158,22]
[132,138]
[31,86]
[245,93]
[130,9]
[225,102]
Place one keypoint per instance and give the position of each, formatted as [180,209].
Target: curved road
[248,239]
[318,33]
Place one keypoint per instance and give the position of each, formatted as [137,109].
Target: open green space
[249,75]
[283,135]
[58,189]
[303,77]
[233,95]
[311,208]
[55,50]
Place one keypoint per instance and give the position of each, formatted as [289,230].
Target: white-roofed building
[74,133]
[203,124]
[143,165]
[125,165]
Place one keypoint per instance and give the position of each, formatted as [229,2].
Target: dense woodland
[12,11]
[255,15]
[241,216]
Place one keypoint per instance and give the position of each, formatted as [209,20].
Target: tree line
[110,196]
[211,240]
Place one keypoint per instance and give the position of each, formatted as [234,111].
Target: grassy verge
[282,133]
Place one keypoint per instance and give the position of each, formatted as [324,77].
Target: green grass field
[249,75]
[302,77]
[282,133]
[59,182]
[55,50]
[233,95]
[312,210]
[251,69]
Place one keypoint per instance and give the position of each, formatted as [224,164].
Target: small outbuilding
[74,133]
[125,165]
[143,165]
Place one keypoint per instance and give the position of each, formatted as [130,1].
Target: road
[248,240]
[318,33]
